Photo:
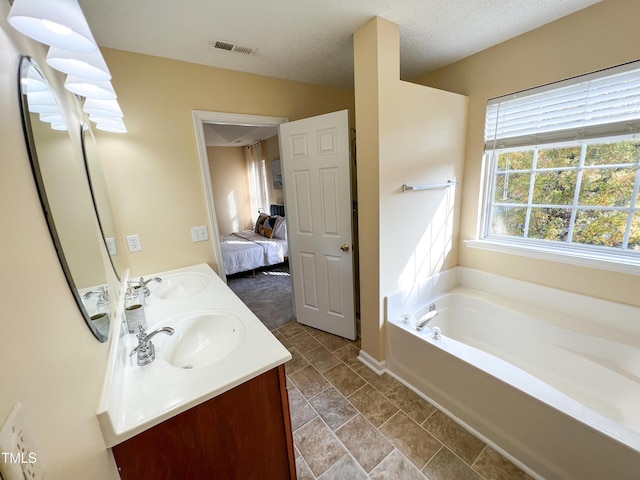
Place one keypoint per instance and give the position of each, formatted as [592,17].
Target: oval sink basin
[203,339]
[179,285]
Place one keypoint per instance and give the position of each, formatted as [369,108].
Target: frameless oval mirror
[100,195]
[64,192]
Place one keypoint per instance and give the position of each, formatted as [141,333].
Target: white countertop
[136,398]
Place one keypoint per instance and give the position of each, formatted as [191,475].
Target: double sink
[200,338]
[217,344]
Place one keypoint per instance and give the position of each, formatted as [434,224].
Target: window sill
[599,260]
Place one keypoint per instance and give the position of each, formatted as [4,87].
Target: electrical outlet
[111,245]
[199,234]
[19,456]
[133,241]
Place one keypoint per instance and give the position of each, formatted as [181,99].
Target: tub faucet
[143,284]
[427,317]
[145,349]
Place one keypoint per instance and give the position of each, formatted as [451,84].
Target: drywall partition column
[407,134]
[366,73]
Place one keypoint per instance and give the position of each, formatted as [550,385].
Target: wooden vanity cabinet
[242,434]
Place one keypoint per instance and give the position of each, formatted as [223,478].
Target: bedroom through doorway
[246,208]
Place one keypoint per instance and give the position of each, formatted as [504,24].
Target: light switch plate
[19,456]
[199,234]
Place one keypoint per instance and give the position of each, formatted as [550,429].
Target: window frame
[593,256]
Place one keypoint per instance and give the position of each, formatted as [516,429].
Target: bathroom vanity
[241,434]
[213,403]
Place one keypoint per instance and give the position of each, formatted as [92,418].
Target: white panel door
[317,191]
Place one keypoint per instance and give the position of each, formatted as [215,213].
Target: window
[563,165]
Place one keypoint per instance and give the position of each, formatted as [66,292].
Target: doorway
[222,140]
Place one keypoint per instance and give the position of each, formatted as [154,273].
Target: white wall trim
[594,260]
[201,117]
[378,367]
[467,427]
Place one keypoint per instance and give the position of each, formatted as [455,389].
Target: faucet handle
[142,341]
[141,335]
[145,349]
[103,295]
[143,284]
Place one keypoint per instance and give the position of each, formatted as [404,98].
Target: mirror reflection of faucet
[142,284]
[103,297]
[100,316]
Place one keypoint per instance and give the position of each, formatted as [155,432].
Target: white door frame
[201,117]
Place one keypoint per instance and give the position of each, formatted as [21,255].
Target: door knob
[344,248]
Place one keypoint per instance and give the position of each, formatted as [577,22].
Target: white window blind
[604,103]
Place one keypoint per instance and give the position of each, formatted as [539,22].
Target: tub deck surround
[136,398]
[549,378]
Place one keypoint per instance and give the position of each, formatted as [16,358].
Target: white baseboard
[378,367]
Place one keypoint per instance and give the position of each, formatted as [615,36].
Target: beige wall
[50,361]
[153,172]
[601,36]
[407,134]
[230,189]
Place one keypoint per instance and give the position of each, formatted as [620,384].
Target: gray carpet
[268,294]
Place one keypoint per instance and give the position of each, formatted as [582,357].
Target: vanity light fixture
[102,108]
[51,117]
[55,119]
[42,102]
[58,23]
[90,66]
[33,82]
[102,90]
[113,125]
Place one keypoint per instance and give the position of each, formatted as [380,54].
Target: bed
[265,245]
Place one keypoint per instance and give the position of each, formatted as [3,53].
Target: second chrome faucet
[145,348]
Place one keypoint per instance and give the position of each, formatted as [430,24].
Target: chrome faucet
[145,349]
[427,317]
[143,284]
[103,296]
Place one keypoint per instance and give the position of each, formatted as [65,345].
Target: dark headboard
[277,210]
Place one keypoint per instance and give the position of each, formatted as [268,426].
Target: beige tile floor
[351,424]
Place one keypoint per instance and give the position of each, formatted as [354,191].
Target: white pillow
[280,228]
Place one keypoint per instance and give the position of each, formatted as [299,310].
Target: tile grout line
[348,452]
[399,410]
[383,393]
[476,459]
[361,414]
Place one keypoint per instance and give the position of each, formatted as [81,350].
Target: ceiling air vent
[231,47]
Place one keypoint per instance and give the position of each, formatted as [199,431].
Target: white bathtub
[557,391]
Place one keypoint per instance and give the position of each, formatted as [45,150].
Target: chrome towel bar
[450,183]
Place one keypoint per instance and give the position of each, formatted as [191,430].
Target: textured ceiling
[312,40]
[217,135]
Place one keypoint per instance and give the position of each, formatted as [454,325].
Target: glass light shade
[42,102]
[52,117]
[33,82]
[58,23]
[102,90]
[102,108]
[84,65]
[113,125]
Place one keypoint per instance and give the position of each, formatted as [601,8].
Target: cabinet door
[242,434]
